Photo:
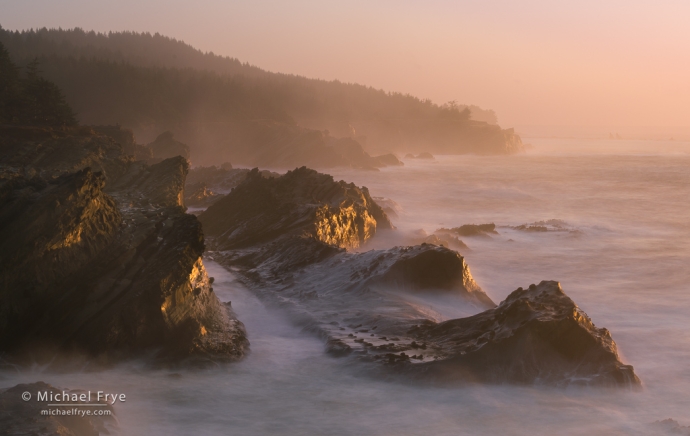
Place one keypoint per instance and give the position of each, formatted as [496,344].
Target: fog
[535,63]
[599,94]
[619,249]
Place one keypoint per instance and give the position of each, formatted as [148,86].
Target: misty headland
[163,259]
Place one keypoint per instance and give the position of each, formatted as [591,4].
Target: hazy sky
[536,62]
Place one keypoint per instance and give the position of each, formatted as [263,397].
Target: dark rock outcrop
[447,240]
[109,267]
[302,202]
[48,153]
[552,225]
[20,417]
[125,137]
[165,146]
[669,427]
[535,335]
[470,230]
[385,306]
[351,153]
[389,206]
[273,144]
[200,195]
[205,185]
[387,160]
[424,155]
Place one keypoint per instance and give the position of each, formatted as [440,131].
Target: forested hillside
[152,83]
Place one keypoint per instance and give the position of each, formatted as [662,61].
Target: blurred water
[623,260]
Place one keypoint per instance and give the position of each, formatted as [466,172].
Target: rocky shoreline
[110,267]
[274,235]
[100,262]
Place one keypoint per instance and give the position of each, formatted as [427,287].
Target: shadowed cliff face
[47,232]
[414,311]
[300,203]
[112,268]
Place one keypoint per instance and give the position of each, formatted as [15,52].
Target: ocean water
[620,248]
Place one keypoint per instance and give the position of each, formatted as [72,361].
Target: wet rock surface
[484,230]
[385,306]
[200,195]
[552,225]
[20,417]
[110,267]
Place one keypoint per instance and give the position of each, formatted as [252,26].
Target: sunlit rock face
[50,229]
[300,203]
[110,268]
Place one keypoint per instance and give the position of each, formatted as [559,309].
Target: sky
[535,62]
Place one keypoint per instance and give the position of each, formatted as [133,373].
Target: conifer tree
[31,100]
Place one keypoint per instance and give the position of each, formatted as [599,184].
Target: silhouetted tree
[10,100]
[31,100]
[44,103]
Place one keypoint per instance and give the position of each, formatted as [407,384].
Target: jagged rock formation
[272,144]
[302,202]
[205,184]
[376,306]
[165,146]
[107,266]
[352,154]
[125,137]
[48,153]
[535,335]
[19,417]
[200,195]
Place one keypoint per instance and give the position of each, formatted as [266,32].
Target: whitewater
[619,244]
